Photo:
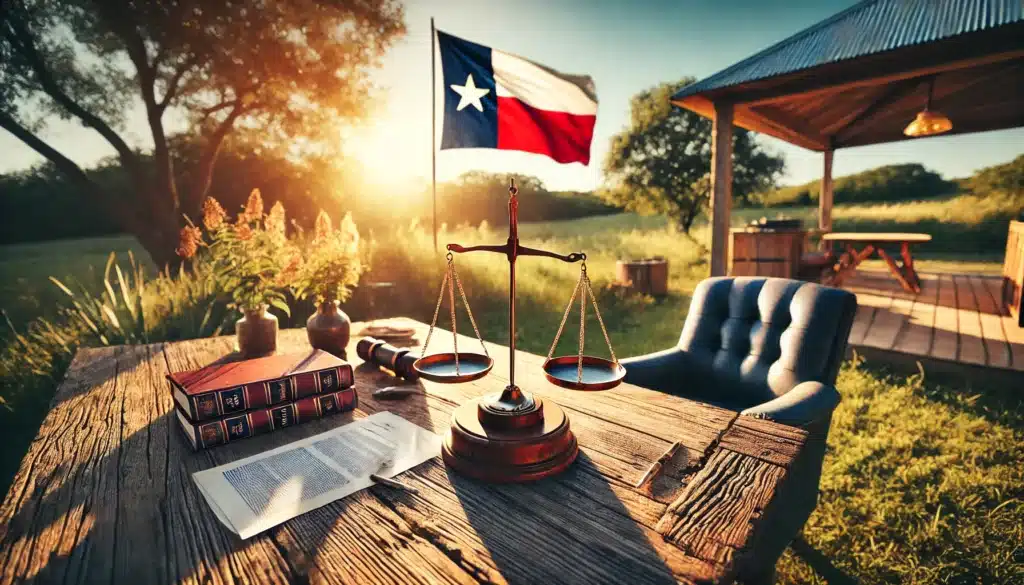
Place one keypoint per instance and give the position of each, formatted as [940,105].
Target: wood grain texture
[105,493]
[996,347]
[719,512]
[956,319]
[825,193]
[721,186]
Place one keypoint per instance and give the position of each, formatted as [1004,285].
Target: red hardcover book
[222,389]
[257,422]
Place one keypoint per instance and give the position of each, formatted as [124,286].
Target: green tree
[661,163]
[288,71]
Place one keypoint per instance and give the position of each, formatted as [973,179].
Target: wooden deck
[955,319]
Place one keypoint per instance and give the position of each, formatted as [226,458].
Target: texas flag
[498,100]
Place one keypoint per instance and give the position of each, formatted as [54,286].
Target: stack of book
[226,402]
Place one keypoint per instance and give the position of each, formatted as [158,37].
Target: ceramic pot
[257,333]
[329,329]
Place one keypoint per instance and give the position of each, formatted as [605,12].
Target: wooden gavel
[398,360]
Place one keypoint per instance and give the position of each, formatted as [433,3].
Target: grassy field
[25,289]
[923,481]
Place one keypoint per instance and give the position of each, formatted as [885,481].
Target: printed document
[256,493]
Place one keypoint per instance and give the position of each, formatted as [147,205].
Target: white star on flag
[469,94]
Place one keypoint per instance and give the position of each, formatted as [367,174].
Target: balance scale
[513,436]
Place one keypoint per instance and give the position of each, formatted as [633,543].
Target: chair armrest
[661,370]
[807,403]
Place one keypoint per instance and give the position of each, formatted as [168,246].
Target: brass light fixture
[929,122]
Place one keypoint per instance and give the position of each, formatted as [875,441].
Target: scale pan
[440,367]
[598,373]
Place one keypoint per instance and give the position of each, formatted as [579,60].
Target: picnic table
[105,493]
[875,243]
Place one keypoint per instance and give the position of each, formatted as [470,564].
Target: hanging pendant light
[929,122]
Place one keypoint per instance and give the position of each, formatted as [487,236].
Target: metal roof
[869,27]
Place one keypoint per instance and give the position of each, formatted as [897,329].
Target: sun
[391,158]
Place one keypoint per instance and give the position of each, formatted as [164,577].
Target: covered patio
[860,78]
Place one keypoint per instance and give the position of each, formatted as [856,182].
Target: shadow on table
[552,532]
[123,507]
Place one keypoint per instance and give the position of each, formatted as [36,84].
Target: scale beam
[506,249]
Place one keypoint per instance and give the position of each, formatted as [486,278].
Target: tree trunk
[161,243]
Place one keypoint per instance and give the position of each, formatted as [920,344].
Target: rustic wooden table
[105,492]
[871,243]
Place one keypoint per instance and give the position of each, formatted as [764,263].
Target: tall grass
[922,483]
[405,256]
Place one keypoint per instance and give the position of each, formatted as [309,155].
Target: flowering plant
[333,265]
[252,256]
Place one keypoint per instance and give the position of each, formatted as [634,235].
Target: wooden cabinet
[758,252]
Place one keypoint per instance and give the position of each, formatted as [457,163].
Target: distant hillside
[891,183]
[1005,179]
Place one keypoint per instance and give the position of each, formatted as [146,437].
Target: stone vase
[257,333]
[329,329]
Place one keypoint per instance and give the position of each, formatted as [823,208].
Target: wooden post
[825,197]
[721,187]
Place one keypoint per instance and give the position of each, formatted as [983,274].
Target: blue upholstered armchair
[766,347]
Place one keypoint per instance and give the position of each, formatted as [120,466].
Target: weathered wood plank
[916,337]
[720,510]
[996,347]
[994,286]
[1015,338]
[49,502]
[861,323]
[886,324]
[110,476]
[971,348]
[374,546]
[946,340]
[512,522]
[764,440]
[434,413]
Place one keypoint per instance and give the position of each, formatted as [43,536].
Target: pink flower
[275,220]
[243,231]
[323,228]
[213,214]
[253,208]
[188,241]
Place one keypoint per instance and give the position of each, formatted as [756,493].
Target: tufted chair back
[753,339]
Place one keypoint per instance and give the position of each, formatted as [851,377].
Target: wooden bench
[105,493]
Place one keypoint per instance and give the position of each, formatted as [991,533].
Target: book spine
[258,422]
[238,399]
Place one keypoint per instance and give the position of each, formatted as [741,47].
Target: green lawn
[923,481]
[25,289]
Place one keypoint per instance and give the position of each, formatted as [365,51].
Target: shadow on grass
[996,402]
[820,563]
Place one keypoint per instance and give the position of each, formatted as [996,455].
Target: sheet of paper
[256,493]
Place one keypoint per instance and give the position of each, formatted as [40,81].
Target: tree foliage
[477,196]
[288,72]
[661,163]
[1006,179]
[890,183]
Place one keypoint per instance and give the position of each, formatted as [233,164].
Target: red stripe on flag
[562,136]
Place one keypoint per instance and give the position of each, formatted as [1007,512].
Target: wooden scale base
[511,437]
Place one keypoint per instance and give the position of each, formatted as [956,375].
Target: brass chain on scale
[585,290]
[451,280]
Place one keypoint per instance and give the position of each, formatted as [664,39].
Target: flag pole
[433,131]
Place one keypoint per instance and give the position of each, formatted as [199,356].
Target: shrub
[907,182]
[999,179]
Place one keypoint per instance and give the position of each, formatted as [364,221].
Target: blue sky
[625,46]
